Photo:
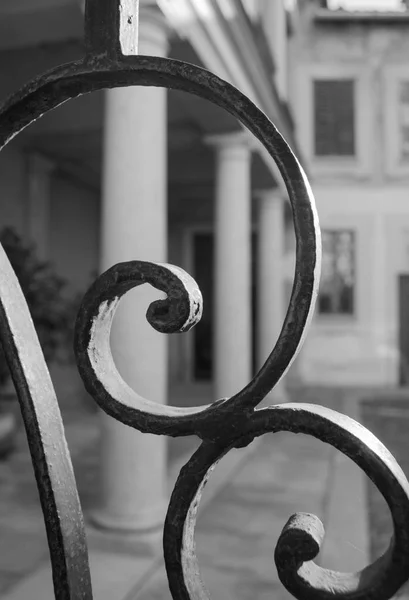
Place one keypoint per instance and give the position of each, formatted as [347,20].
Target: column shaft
[134,226]
[232,338]
[270,281]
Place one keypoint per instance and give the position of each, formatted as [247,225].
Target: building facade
[149,174]
[349,89]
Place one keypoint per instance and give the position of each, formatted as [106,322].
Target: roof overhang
[325,15]
[224,38]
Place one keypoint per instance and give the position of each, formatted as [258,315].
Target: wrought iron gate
[111,61]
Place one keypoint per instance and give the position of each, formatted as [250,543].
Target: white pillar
[270,279]
[39,170]
[232,307]
[134,226]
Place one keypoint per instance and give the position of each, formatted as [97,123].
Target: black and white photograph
[204,299]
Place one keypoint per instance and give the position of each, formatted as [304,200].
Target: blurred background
[161,175]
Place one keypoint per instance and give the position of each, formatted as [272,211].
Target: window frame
[392,77]
[353,313]
[358,165]
[317,117]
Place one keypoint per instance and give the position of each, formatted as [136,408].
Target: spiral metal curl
[223,425]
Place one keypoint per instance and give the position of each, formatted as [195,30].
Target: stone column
[232,300]
[134,226]
[270,280]
[39,204]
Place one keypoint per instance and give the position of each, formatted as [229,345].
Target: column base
[147,544]
[140,524]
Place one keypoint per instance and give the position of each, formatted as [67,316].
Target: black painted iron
[228,423]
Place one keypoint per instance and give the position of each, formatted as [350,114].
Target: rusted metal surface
[227,423]
[45,434]
[111,28]
[303,534]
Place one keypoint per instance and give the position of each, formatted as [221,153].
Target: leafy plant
[52,312]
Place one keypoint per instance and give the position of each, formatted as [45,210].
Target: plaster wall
[367,194]
[74,217]
[362,349]
[75,226]
[12,188]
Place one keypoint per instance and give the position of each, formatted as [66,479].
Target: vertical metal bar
[128,26]
[45,434]
[111,28]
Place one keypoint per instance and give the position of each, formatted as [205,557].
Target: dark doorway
[404,329]
[203,254]
[203,250]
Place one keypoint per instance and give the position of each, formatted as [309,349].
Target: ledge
[324,15]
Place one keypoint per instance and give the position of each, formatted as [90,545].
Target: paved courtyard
[250,496]
[388,419]
[237,532]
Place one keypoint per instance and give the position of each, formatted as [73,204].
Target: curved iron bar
[301,538]
[69,81]
[225,424]
[46,439]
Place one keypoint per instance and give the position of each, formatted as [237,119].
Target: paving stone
[237,532]
[387,417]
[112,575]
[23,551]
[7,581]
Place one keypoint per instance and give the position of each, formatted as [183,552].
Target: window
[338,273]
[334,117]
[403,109]
[334,108]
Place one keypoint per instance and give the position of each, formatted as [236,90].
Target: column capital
[231,145]
[272,195]
[227,140]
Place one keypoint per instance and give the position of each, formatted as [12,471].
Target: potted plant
[53,316]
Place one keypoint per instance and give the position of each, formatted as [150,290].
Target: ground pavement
[247,501]
[237,531]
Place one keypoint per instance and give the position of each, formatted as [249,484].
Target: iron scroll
[228,423]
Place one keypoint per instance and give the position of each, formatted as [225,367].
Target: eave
[225,40]
[324,15]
